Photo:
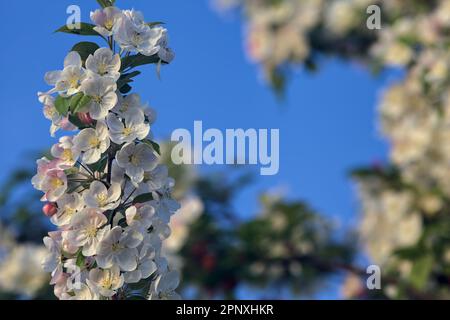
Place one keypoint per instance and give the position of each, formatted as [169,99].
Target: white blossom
[135,36]
[68,81]
[106,282]
[92,142]
[87,231]
[136,159]
[132,127]
[102,198]
[105,20]
[119,248]
[104,63]
[103,96]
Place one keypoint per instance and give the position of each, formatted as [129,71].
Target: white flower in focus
[83,293]
[50,113]
[104,63]
[140,217]
[66,152]
[52,262]
[106,282]
[101,198]
[43,166]
[68,206]
[164,287]
[165,53]
[145,265]
[134,127]
[105,20]
[154,180]
[127,105]
[135,36]
[102,91]
[92,142]
[136,159]
[54,185]
[68,81]
[163,202]
[87,231]
[119,248]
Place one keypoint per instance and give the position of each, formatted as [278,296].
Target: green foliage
[106,3]
[86,29]
[62,105]
[85,49]
[78,102]
[143,198]
[421,271]
[134,61]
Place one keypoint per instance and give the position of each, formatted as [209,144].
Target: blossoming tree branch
[103,186]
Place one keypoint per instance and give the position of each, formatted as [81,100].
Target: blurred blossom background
[364,119]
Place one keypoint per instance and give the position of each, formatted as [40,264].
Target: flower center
[109,24]
[102,68]
[106,282]
[136,39]
[134,159]
[101,199]
[126,131]
[69,211]
[94,142]
[74,82]
[91,231]
[56,183]
[67,155]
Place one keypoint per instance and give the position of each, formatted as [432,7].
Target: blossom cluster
[103,186]
[404,204]
[20,266]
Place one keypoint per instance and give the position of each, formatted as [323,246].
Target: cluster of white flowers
[278,32]
[20,266]
[415,119]
[104,188]
[414,113]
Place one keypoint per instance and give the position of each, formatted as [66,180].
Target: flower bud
[50,209]
[85,118]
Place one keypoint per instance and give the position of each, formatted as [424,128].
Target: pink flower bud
[85,118]
[50,209]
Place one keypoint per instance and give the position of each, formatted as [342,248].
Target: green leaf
[106,3]
[85,49]
[421,271]
[139,60]
[78,102]
[100,165]
[155,23]
[86,29]
[62,105]
[126,78]
[125,88]
[80,259]
[153,144]
[77,122]
[146,197]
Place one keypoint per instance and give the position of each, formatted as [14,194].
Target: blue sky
[327,122]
